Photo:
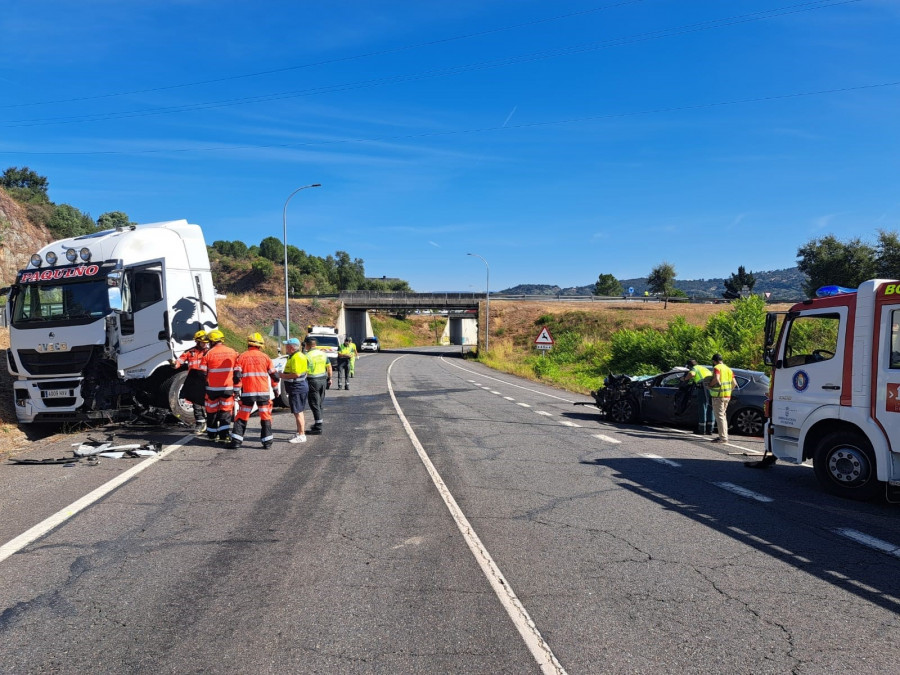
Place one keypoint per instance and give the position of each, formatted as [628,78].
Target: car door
[658,400]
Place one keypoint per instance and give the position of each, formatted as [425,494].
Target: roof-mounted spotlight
[71,255]
[51,258]
[85,254]
[37,260]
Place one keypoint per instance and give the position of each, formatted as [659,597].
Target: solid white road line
[42,528]
[608,439]
[871,542]
[523,622]
[662,460]
[743,492]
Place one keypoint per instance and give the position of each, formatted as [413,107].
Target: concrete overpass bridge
[461,329]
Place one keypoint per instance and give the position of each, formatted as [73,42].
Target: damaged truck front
[94,321]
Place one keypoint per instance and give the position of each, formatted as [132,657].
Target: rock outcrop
[19,238]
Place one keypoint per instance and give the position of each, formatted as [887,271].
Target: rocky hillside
[19,238]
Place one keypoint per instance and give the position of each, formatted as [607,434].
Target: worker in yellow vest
[319,379]
[721,384]
[698,376]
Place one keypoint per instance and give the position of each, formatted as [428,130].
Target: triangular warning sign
[544,338]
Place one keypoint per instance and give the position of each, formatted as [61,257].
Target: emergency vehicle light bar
[831,291]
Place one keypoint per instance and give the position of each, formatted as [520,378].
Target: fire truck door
[810,375]
[887,375]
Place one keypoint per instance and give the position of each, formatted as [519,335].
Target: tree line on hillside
[61,220]
[307,274]
[823,262]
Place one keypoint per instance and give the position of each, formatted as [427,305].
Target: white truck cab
[835,387]
[94,320]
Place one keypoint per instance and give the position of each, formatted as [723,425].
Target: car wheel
[623,411]
[747,422]
[844,464]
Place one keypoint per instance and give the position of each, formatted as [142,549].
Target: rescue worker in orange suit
[219,365]
[194,388]
[254,377]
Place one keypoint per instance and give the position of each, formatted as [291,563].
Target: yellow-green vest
[726,382]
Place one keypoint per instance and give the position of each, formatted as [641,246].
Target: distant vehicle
[656,398]
[327,339]
[370,344]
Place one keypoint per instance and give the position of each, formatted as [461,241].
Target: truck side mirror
[114,290]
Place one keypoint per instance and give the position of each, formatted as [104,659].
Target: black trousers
[316,398]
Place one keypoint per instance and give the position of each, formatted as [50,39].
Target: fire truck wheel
[623,411]
[845,466]
[171,390]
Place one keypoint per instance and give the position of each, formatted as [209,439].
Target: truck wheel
[623,411]
[179,407]
[845,466]
[747,422]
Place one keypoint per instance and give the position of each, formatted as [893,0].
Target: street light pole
[487,308]
[287,307]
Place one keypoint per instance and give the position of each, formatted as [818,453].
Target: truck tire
[844,464]
[623,411]
[171,391]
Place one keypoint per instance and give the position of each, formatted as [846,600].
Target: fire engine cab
[835,387]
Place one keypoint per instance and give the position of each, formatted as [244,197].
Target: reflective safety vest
[219,365]
[297,365]
[726,382]
[192,358]
[699,373]
[318,363]
[254,373]
[344,352]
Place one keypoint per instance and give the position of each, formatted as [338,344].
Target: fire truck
[94,320]
[835,388]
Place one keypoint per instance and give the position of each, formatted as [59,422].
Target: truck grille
[55,363]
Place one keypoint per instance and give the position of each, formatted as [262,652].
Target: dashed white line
[662,460]
[510,384]
[544,413]
[867,540]
[496,392]
[509,398]
[569,424]
[743,492]
[607,439]
[524,405]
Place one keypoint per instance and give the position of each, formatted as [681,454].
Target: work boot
[266,445]
[200,428]
[346,387]
[233,444]
[315,431]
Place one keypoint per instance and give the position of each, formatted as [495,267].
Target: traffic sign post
[544,341]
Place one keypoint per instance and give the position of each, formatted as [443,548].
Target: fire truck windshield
[76,302]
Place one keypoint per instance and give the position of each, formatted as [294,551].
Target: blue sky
[557,140]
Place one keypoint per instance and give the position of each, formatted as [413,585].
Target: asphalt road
[450,519]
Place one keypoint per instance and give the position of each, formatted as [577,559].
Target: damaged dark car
[665,398]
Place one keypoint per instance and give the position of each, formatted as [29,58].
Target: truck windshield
[60,302]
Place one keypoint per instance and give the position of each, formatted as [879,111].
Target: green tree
[272,248]
[113,219]
[607,284]
[25,185]
[350,274]
[264,269]
[735,284]
[67,221]
[888,252]
[662,280]
[828,261]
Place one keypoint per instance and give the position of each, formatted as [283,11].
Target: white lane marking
[509,384]
[472,381]
[509,398]
[569,424]
[496,392]
[524,405]
[544,413]
[662,460]
[608,439]
[668,429]
[58,518]
[867,540]
[523,622]
[743,492]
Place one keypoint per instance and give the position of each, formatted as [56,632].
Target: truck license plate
[55,393]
